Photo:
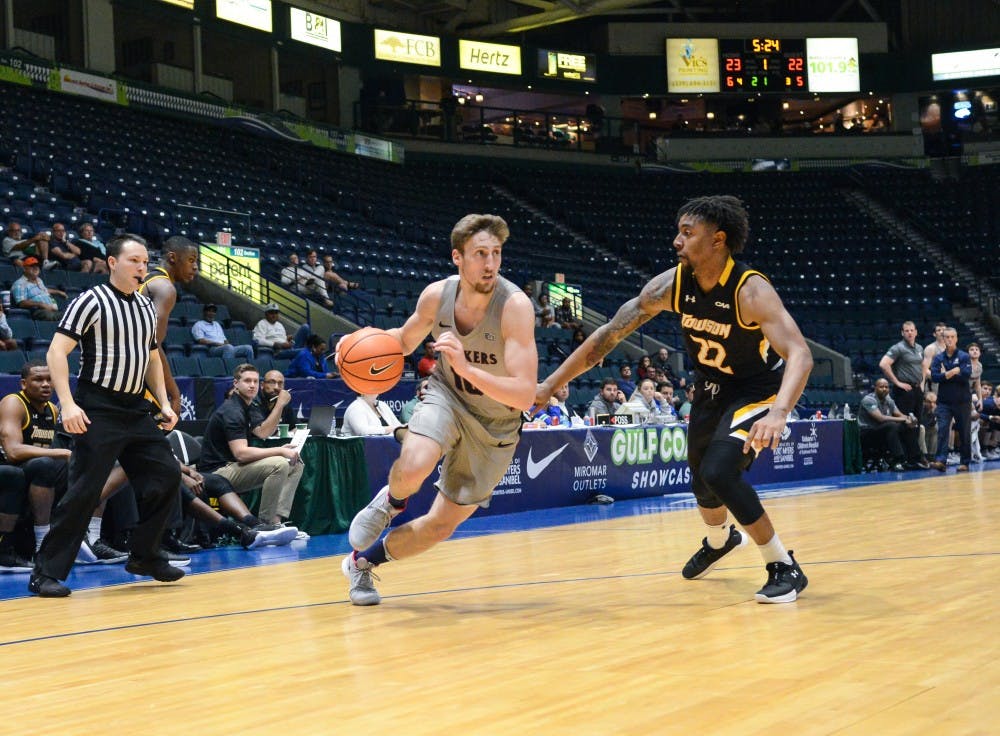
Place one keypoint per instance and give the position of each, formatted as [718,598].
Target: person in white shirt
[269,332]
[643,403]
[366,415]
[305,280]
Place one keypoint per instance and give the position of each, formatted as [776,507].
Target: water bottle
[847,412]
[833,412]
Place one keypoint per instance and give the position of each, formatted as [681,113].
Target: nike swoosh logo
[442,324]
[535,468]
[505,444]
[375,371]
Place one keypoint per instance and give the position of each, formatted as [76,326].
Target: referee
[115,326]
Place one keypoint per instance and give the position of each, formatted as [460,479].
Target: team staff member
[227,452]
[115,327]
[752,364]
[951,370]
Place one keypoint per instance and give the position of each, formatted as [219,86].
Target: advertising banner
[407,47]
[568,467]
[88,85]
[692,65]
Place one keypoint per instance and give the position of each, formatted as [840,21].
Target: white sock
[717,536]
[94,529]
[40,532]
[774,551]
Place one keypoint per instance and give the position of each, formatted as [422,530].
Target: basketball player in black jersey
[751,363]
[178,263]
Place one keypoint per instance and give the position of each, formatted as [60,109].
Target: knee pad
[48,472]
[722,473]
[216,486]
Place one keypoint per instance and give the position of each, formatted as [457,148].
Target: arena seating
[386,226]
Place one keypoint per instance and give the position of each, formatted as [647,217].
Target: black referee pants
[122,429]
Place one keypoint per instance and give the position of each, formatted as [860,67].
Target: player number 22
[712,354]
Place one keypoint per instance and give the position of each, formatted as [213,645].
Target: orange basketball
[370,361]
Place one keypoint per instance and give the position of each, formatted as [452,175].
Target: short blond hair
[471,224]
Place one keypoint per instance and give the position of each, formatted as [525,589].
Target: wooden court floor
[581,629]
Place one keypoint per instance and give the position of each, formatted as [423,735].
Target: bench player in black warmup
[751,362]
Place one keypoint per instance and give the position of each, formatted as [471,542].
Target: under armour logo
[689,298]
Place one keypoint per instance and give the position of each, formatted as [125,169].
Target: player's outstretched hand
[765,432]
[542,396]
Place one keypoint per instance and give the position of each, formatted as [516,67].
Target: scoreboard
[763,64]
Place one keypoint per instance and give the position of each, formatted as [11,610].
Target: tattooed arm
[655,297]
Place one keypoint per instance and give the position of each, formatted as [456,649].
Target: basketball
[370,361]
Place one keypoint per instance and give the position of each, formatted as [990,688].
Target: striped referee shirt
[116,333]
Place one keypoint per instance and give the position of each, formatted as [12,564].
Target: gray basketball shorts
[477,450]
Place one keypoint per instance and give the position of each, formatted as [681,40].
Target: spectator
[645,368]
[529,291]
[555,412]
[305,281]
[226,449]
[7,341]
[269,332]
[625,382]
[29,292]
[427,364]
[272,388]
[16,249]
[332,277]
[665,397]
[557,405]
[642,404]
[546,314]
[64,252]
[608,401]
[951,369]
[366,416]
[579,337]
[407,411]
[884,428]
[565,315]
[661,359]
[207,331]
[685,411]
[661,362]
[92,250]
[311,361]
[902,365]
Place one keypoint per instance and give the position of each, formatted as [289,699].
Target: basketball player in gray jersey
[484,333]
